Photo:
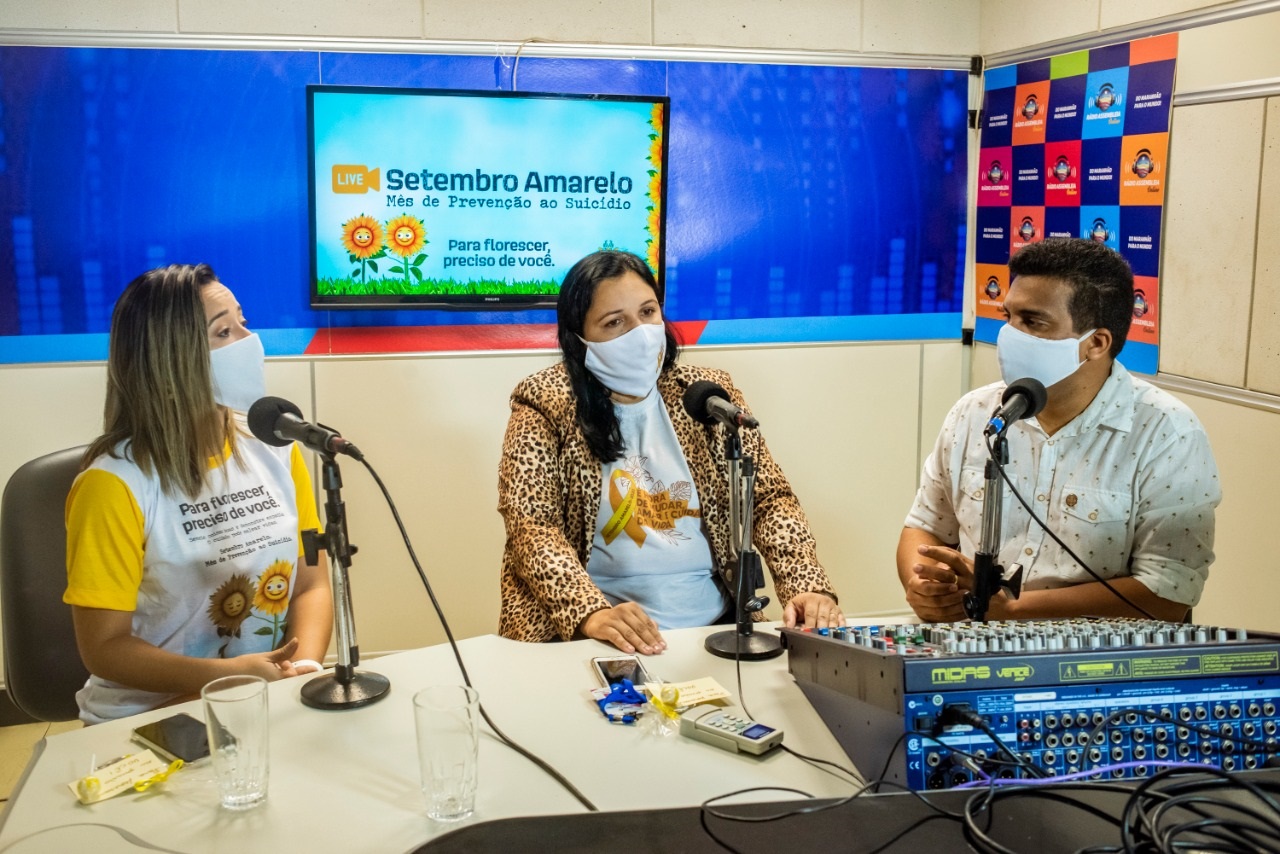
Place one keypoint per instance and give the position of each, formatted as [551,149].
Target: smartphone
[177,737]
[611,669]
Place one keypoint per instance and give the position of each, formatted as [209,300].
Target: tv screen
[468,199]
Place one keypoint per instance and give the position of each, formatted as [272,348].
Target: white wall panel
[627,22]
[1238,51]
[921,26]
[1264,328]
[1117,13]
[940,387]
[118,15]
[814,25]
[843,423]
[1209,226]
[1242,581]
[387,18]
[432,428]
[1013,24]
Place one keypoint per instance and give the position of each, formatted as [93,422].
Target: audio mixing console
[1107,697]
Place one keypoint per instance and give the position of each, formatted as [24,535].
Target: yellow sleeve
[305,496]
[105,530]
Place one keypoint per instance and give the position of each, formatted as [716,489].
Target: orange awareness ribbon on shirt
[624,510]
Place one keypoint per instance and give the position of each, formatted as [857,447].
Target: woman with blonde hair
[183,531]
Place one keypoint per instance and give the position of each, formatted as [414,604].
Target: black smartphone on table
[176,737]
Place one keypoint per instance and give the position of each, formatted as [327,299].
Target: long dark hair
[159,394]
[596,417]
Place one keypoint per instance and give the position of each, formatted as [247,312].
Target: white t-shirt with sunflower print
[208,577]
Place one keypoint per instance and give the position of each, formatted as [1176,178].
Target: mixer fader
[1106,698]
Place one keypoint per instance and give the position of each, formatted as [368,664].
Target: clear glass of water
[447,721]
[235,713]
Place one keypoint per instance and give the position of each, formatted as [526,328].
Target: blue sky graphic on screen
[461,198]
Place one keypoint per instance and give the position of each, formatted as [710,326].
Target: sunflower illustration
[362,236]
[229,604]
[272,596]
[406,235]
[657,117]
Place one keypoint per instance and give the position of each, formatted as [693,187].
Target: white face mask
[1047,360]
[238,371]
[630,363]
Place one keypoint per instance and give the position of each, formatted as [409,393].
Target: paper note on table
[119,776]
[705,690]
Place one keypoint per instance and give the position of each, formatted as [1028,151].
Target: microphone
[708,403]
[278,422]
[1023,398]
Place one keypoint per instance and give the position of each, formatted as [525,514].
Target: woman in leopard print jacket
[581,502]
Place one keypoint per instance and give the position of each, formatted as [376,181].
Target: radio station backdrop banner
[805,203]
[1077,146]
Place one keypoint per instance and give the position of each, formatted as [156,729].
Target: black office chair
[42,667]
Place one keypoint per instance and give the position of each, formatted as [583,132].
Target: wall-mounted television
[459,199]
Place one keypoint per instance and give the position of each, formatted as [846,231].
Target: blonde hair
[159,392]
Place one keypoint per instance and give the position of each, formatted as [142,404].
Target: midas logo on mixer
[960,675]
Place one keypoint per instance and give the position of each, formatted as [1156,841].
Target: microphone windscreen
[265,414]
[1033,390]
[697,396]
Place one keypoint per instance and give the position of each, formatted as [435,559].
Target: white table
[348,780]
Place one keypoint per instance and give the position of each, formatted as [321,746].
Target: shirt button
[1071,500]
[1093,517]
[1029,551]
[1050,442]
[977,494]
[1040,497]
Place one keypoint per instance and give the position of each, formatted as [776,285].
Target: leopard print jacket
[549,493]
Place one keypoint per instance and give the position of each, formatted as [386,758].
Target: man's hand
[937,584]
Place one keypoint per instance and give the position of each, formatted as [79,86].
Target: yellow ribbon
[624,509]
[144,783]
[666,699]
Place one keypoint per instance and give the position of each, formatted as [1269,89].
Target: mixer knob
[1242,635]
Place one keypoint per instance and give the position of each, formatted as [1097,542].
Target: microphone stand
[988,575]
[344,688]
[747,576]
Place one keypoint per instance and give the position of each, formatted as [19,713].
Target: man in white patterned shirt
[1120,470]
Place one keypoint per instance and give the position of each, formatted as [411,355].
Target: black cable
[879,780]
[990,760]
[959,713]
[815,761]
[1141,824]
[453,645]
[985,801]
[1018,495]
